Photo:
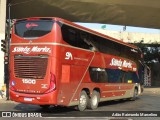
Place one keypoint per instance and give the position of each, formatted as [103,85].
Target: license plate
[27,99]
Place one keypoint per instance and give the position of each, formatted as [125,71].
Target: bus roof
[81,28]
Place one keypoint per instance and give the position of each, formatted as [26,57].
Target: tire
[83,101]
[135,94]
[44,106]
[94,100]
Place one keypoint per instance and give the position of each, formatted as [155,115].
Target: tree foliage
[151,52]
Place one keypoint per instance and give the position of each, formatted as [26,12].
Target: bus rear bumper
[42,99]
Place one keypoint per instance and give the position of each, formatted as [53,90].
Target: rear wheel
[94,100]
[83,100]
[135,94]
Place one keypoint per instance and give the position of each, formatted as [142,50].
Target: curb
[4,100]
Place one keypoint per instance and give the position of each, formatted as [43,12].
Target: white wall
[132,37]
[2,36]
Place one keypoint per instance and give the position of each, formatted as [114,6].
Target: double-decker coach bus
[57,62]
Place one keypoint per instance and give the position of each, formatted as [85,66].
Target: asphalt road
[149,101]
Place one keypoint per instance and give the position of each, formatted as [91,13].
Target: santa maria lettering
[120,63]
[28,50]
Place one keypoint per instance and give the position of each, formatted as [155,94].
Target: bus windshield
[33,28]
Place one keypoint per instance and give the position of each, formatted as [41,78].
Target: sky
[120,28]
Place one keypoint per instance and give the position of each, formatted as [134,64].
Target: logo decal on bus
[28,50]
[120,63]
[13,83]
[28,25]
[69,56]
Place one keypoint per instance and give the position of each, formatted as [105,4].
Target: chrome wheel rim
[94,100]
[83,100]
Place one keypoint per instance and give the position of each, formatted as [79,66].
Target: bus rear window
[32,28]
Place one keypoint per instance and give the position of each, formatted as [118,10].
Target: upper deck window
[75,37]
[33,28]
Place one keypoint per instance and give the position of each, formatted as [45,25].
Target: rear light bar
[11,86]
[52,83]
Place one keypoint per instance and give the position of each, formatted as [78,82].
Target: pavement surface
[149,101]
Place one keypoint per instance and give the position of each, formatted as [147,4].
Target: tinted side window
[98,75]
[74,37]
[131,77]
[107,46]
[115,75]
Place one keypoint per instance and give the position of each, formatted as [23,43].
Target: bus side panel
[114,90]
[75,63]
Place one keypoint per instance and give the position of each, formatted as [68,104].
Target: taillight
[52,83]
[12,88]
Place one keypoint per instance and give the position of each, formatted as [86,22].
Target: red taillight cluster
[52,83]
[11,87]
